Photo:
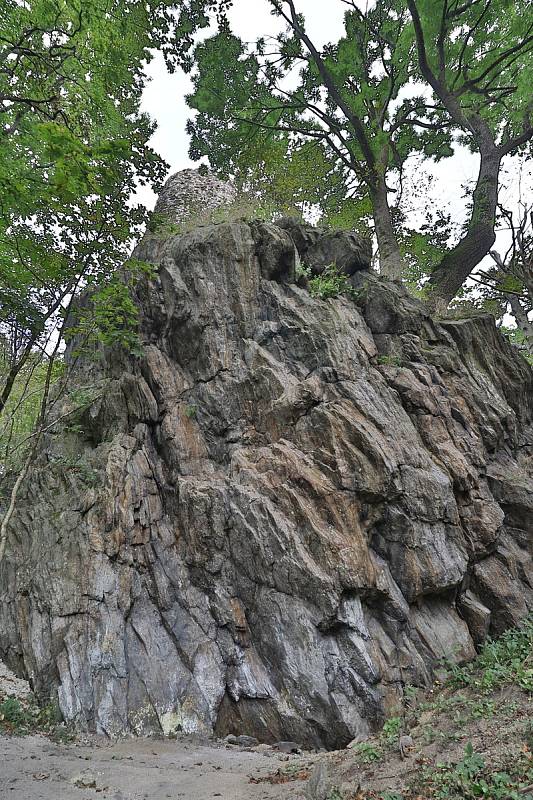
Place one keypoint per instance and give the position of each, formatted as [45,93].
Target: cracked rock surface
[281,514]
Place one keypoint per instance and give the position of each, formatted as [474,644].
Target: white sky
[164,100]
[164,96]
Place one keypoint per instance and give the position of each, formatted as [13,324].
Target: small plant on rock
[368,752]
[191,411]
[392,361]
[331,283]
[303,271]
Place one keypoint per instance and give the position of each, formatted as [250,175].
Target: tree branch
[328,80]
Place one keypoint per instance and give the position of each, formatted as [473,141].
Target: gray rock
[349,251]
[476,616]
[405,745]
[287,747]
[84,780]
[319,248]
[302,233]
[319,786]
[276,253]
[242,740]
[191,194]
[274,509]
[502,592]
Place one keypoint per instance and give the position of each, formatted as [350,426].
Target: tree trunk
[390,261]
[522,321]
[13,500]
[458,263]
[13,373]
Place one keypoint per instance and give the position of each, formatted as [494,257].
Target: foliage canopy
[336,125]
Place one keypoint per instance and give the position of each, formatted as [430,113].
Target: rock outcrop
[281,514]
[318,248]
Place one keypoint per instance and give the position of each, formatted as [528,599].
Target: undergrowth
[502,661]
[472,777]
[24,717]
[462,708]
[376,750]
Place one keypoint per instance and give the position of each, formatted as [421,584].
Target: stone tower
[188,193]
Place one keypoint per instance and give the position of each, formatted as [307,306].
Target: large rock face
[283,513]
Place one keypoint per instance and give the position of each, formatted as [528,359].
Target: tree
[73,148]
[477,58]
[406,78]
[507,286]
[344,111]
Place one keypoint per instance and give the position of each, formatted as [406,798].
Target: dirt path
[34,768]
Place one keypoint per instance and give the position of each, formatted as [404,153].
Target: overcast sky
[164,100]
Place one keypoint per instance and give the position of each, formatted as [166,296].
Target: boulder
[191,194]
[303,234]
[476,616]
[349,251]
[319,248]
[276,253]
[320,785]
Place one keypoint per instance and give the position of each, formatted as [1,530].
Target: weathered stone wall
[280,515]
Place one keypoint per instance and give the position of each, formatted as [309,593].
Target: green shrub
[22,717]
[368,752]
[303,271]
[12,715]
[331,283]
[391,730]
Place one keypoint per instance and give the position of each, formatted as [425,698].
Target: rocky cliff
[281,514]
